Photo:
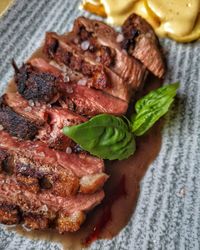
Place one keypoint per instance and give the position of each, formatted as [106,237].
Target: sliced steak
[141,42]
[46,180]
[35,176]
[105,48]
[90,102]
[62,173]
[83,69]
[40,211]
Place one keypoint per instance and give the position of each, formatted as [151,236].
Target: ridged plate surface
[168,211]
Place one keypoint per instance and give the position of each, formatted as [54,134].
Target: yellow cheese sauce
[177,19]
[4,5]
[116,11]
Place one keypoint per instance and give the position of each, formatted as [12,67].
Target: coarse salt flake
[68,150]
[44,208]
[76,40]
[31,103]
[41,154]
[69,90]
[28,109]
[26,228]
[119,38]
[37,104]
[85,45]
[98,59]
[66,78]
[82,82]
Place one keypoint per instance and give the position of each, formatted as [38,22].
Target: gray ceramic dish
[168,211]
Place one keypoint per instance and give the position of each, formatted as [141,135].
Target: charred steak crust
[9,214]
[16,124]
[35,85]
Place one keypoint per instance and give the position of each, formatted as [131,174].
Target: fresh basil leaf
[151,107]
[105,136]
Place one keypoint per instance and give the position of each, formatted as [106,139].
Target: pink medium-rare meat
[141,42]
[17,205]
[64,173]
[90,102]
[56,118]
[58,203]
[43,66]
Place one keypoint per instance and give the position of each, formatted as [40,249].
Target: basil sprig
[105,136]
[152,107]
[110,137]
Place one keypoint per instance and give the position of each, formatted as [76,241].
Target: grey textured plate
[168,211]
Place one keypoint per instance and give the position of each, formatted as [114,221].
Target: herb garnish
[110,137]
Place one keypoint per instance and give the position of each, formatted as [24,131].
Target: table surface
[168,210]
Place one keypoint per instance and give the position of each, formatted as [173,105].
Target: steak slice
[38,81]
[49,120]
[90,102]
[105,48]
[65,54]
[43,210]
[95,101]
[33,111]
[38,167]
[141,42]
[90,72]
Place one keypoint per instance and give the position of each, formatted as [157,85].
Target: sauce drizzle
[118,192]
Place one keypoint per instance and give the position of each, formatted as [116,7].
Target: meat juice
[121,190]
